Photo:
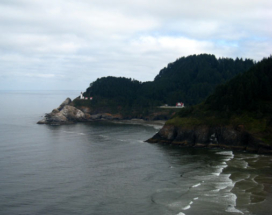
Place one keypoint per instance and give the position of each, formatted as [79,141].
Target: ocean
[104,167]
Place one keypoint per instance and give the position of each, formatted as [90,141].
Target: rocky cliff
[66,113]
[211,136]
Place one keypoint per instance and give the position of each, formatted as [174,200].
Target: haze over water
[103,168]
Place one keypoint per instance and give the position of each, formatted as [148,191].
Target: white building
[180,105]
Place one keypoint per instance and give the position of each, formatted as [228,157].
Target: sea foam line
[186,207]
[232,209]
[233,197]
[196,185]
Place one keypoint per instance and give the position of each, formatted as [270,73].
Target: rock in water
[64,114]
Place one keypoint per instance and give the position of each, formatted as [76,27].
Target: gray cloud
[58,44]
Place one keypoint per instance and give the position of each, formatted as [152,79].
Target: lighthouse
[81,96]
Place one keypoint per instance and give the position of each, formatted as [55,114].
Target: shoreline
[67,113]
[210,137]
[157,124]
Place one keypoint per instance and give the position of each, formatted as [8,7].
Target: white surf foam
[232,209]
[196,185]
[219,169]
[227,153]
[216,173]
[225,182]
[140,141]
[186,207]
[230,153]
[253,179]
[71,132]
[245,164]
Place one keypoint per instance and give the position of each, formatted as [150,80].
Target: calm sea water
[106,168]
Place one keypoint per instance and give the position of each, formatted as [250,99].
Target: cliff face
[206,136]
[64,114]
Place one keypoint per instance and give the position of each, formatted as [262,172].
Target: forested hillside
[243,103]
[251,91]
[237,116]
[189,80]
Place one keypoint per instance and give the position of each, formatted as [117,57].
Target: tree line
[251,91]
[189,80]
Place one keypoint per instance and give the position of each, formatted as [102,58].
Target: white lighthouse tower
[81,96]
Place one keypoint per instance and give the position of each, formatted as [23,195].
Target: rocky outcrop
[64,114]
[66,102]
[205,136]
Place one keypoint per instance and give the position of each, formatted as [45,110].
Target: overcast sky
[66,44]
